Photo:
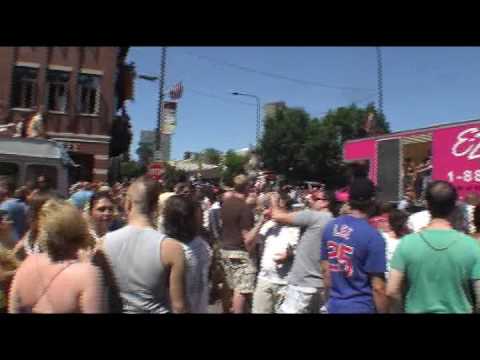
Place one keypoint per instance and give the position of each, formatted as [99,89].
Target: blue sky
[422,86]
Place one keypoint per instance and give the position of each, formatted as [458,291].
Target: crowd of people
[141,247]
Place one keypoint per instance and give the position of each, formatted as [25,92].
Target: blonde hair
[162,200]
[62,230]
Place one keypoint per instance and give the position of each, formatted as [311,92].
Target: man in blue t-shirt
[353,257]
[16,210]
[82,196]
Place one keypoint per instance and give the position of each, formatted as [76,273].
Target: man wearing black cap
[354,258]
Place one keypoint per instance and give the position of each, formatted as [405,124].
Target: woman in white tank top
[182,219]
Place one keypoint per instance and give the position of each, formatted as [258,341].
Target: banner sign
[169,122]
[456,157]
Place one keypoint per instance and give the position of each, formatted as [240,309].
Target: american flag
[176,91]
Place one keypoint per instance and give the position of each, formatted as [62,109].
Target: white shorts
[303,300]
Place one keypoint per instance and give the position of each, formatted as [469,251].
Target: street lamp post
[257,135]
[161,94]
[160,101]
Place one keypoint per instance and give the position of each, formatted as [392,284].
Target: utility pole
[259,124]
[158,147]
[380,80]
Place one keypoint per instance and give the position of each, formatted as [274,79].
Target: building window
[57,93]
[89,94]
[24,87]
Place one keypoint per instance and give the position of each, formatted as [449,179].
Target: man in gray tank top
[148,267]
[305,292]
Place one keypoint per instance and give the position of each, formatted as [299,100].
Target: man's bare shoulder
[169,244]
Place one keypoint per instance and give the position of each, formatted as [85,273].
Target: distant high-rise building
[150,137]
[147,137]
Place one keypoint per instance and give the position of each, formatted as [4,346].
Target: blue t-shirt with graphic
[353,249]
[17,212]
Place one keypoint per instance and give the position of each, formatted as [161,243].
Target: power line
[363,99]
[273,75]
[202,93]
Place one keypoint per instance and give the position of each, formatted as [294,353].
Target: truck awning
[36,148]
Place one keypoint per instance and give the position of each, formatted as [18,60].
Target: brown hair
[179,218]
[37,200]
[240,183]
[97,197]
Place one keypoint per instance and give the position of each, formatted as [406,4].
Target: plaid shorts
[240,270]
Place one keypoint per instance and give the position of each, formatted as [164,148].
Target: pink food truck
[454,149]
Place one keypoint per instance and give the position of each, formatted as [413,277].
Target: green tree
[145,153]
[131,169]
[211,156]
[322,154]
[349,122]
[302,148]
[282,145]
[173,176]
[233,165]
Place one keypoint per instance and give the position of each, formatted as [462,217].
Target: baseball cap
[361,189]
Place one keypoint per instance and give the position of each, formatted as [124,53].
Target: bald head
[143,195]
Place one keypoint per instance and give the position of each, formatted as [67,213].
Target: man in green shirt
[439,265]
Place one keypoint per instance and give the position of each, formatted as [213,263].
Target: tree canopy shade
[300,147]
[233,165]
[173,176]
[211,156]
[131,169]
[145,153]
[283,142]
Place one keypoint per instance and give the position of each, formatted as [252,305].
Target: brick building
[81,90]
